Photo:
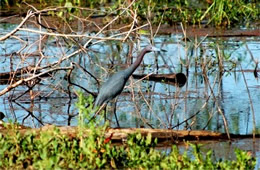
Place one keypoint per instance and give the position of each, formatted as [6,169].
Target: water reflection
[210,64]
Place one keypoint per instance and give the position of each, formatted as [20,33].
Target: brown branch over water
[16,84]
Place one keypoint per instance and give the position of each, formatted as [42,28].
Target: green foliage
[216,12]
[228,12]
[85,112]
[244,161]
[92,150]
[53,150]
[219,12]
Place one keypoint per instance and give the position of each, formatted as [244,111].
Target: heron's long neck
[137,62]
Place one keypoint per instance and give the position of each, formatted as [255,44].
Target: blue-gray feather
[111,88]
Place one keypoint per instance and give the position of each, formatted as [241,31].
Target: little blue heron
[115,84]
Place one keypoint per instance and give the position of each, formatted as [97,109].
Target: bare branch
[70,35]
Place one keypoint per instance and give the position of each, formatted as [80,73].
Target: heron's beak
[163,50]
[158,50]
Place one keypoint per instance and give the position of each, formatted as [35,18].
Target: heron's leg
[105,113]
[114,110]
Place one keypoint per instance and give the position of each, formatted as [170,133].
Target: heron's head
[151,48]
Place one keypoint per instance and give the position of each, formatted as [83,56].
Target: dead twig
[85,70]
[251,103]
[100,31]
[132,26]
[71,83]
[218,107]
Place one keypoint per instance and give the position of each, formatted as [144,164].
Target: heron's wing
[111,88]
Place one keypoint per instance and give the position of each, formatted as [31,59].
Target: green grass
[219,13]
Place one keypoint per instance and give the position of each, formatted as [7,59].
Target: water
[162,105]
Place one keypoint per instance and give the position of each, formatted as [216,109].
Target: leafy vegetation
[52,149]
[216,12]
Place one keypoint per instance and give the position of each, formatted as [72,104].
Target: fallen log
[120,135]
